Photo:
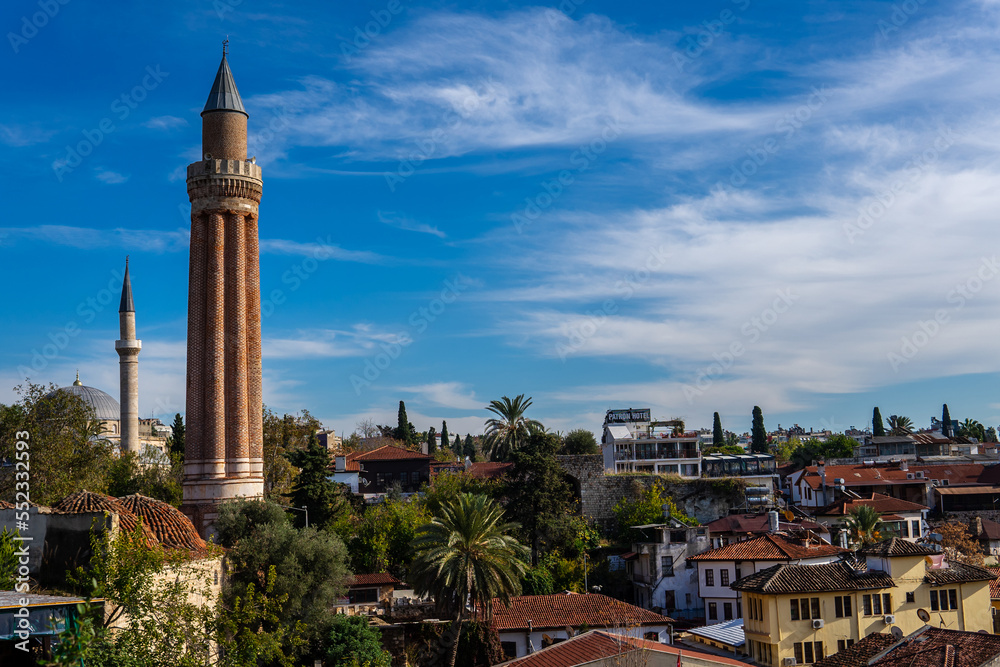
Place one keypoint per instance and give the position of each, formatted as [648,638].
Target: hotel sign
[626,416]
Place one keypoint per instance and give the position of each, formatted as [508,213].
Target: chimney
[904,466]
[772,521]
[340,463]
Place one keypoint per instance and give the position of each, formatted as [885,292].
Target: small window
[667,566]
[713,611]
[815,608]
[953,598]
[934,601]
[795,609]
[724,577]
[727,611]
[509,649]
[709,577]
[911,597]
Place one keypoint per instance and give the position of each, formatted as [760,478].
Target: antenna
[225,46]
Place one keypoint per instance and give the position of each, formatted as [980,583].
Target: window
[739,609]
[876,605]
[724,577]
[667,566]
[843,644]
[678,536]
[934,601]
[509,649]
[842,606]
[808,652]
[738,575]
[709,577]
[795,609]
[727,611]
[815,608]
[804,609]
[953,598]
[713,611]
[915,527]
[910,597]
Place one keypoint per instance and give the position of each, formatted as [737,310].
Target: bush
[353,642]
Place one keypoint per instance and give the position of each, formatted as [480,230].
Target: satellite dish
[897,634]
[789,516]
[923,615]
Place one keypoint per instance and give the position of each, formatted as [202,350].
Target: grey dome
[105,407]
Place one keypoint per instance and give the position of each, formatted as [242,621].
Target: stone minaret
[223,456]
[128,369]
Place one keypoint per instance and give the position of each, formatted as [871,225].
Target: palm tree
[970,428]
[508,433]
[862,525]
[900,425]
[464,555]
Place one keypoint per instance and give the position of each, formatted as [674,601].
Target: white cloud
[447,395]
[398,221]
[165,123]
[110,177]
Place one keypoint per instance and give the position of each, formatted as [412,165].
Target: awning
[966,490]
[631,555]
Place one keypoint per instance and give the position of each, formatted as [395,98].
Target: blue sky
[693,207]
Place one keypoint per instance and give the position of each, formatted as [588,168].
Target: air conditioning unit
[909,475]
[817,623]
[889,619]
[789,661]
[920,474]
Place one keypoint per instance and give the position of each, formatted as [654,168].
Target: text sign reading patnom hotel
[626,416]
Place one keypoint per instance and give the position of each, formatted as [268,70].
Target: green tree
[900,425]
[404,429]
[510,429]
[837,446]
[878,428]
[353,642]
[466,554]
[991,434]
[538,581]
[313,489]
[538,495]
[646,508]
[784,451]
[758,435]
[970,428]
[383,536]
[131,473]
[61,429]
[8,559]
[862,524]
[458,447]
[946,422]
[469,447]
[445,442]
[251,629]
[284,434]
[731,450]
[718,438]
[431,441]
[578,442]
[177,436]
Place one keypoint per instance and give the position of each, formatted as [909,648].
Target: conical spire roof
[127,305]
[224,95]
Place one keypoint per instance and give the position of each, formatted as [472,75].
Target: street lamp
[298,509]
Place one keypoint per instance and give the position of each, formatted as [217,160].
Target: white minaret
[128,351]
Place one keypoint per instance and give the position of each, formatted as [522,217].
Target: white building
[661,573]
[632,442]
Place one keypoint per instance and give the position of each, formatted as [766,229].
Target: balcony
[644,453]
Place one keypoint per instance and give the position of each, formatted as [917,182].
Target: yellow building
[806,612]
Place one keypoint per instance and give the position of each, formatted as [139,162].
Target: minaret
[223,456]
[128,368]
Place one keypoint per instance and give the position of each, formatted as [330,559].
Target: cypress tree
[177,437]
[457,447]
[878,428]
[758,436]
[946,422]
[445,442]
[402,425]
[469,447]
[718,437]
[431,441]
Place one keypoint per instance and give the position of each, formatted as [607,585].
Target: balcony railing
[656,455]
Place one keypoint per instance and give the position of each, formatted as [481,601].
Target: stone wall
[703,499]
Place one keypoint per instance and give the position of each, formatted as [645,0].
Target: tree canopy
[510,429]
[758,434]
[580,441]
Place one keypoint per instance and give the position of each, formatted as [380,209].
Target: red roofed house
[739,527]
[718,568]
[900,518]
[531,622]
[379,469]
[598,648]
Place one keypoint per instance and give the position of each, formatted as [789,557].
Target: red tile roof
[825,577]
[562,609]
[878,474]
[896,547]
[87,501]
[478,469]
[391,453]
[374,579]
[859,654]
[596,644]
[755,523]
[995,584]
[880,502]
[768,547]
[930,647]
[167,523]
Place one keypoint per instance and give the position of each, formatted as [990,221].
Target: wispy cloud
[20,135]
[454,395]
[165,123]
[398,221]
[110,177]
[153,240]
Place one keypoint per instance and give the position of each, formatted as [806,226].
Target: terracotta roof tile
[170,527]
[995,583]
[938,647]
[768,547]
[826,577]
[754,523]
[86,501]
[374,579]
[881,503]
[859,654]
[595,645]
[895,547]
[869,475]
[391,453]
[562,609]
[957,573]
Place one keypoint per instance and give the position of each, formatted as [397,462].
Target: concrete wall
[703,499]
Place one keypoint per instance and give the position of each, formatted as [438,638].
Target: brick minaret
[223,456]
[128,368]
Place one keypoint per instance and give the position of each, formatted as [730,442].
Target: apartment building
[634,442]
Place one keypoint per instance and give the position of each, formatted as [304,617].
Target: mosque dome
[105,407]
